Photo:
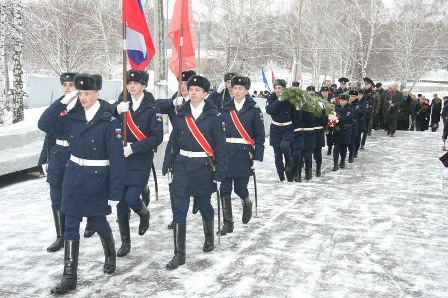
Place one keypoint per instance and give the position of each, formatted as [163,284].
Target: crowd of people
[216,145]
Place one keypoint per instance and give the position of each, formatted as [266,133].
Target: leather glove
[218,184]
[178,101]
[221,87]
[123,107]
[112,203]
[127,150]
[169,177]
[69,97]
[256,165]
[44,168]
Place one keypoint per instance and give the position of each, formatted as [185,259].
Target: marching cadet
[342,87]
[341,137]
[306,129]
[144,123]
[224,93]
[195,164]
[281,130]
[245,148]
[55,150]
[373,102]
[362,127]
[319,132]
[354,104]
[93,176]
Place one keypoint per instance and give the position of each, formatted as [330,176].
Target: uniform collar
[90,113]
[136,102]
[239,106]
[196,112]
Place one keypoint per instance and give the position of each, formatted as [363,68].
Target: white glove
[44,168]
[221,87]
[256,165]
[218,184]
[178,101]
[169,177]
[112,203]
[69,97]
[123,107]
[280,99]
[127,150]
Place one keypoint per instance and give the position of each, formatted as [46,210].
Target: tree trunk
[2,54]
[17,100]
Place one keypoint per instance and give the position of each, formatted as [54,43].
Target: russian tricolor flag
[139,45]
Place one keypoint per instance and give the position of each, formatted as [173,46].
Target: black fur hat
[343,97]
[85,81]
[360,91]
[324,88]
[280,82]
[296,84]
[67,77]
[240,80]
[228,76]
[378,85]
[187,74]
[139,76]
[368,80]
[343,80]
[199,81]
[353,92]
[310,88]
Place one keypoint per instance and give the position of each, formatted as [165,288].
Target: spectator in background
[436,109]
[393,100]
[415,106]
[404,111]
[378,120]
[445,109]
[254,94]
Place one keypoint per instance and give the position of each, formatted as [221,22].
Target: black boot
[247,210]
[288,164]
[227,216]
[329,150]
[144,220]
[351,158]
[363,140]
[89,231]
[342,164]
[209,243]
[145,195]
[59,223]
[335,165]
[110,256]
[70,275]
[179,232]
[195,207]
[125,234]
[298,175]
[318,170]
[355,154]
[281,176]
[308,172]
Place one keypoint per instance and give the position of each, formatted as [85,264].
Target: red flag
[273,77]
[182,17]
[139,45]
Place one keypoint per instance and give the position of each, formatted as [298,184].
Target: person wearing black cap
[373,101]
[311,90]
[145,133]
[393,100]
[223,94]
[342,86]
[53,157]
[354,104]
[245,138]
[378,120]
[362,112]
[195,164]
[93,180]
[296,84]
[341,137]
[281,130]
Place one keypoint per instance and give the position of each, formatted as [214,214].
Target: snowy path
[376,229]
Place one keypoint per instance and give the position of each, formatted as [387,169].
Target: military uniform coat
[251,118]
[319,133]
[363,107]
[220,99]
[281,112]
[194,176]
[87,189]
[307,121]
[297,143]
[343,135]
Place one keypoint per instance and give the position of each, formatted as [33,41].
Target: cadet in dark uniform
[196,158]
[362,127]
[53,157]
[243,118]
[341,137]
[145,133]
[93,176]
[319,133]
[342,87]
[354,103]
[373,101]
[224,93]
[306,128]
[281,129]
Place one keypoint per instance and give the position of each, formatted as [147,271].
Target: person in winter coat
[404,111]
[342,135]
[445,109]
[224,93]
[436,109]
[392,103]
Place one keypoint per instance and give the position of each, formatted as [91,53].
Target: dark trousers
[307,158]
[56,197]
[358,140]
[317,155]
[283,150]
[100,224]
[131,199]
[339,149]
[391,125]
[181,205]
[240,184]
[329,137]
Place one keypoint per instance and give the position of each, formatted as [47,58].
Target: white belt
[237,140]
[282,124]
[63,143]
[192,154]
[304,129]
[319,127]
[89,162]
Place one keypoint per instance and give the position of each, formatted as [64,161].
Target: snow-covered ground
[375,229]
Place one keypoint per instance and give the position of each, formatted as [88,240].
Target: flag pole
[181,45]
[125,94]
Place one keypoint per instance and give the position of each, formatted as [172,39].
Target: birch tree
[17,58]
[2,53]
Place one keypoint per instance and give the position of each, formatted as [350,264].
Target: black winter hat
[353,92]
[310,88]
[187,74]
[67,77]
[324,88]
[228,76]
[199,81]
[87,81]
[368,80]
[378,85]
[240,80]
[343,97]
[139,76]
[296,84]
[343,80]
[280,82]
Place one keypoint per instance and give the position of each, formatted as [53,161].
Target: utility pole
[160,74]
